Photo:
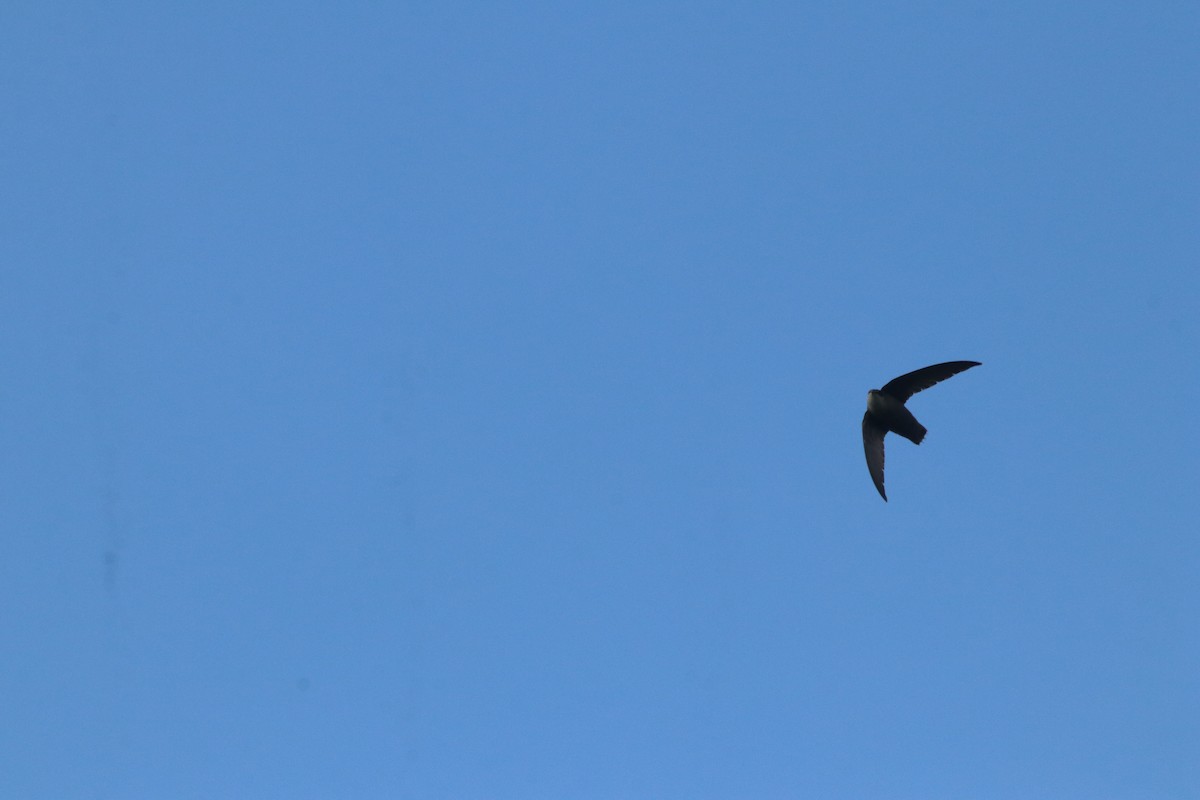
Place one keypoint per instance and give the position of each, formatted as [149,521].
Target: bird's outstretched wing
[906,386]
[873,445]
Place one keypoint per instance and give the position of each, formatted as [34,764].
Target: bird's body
[886,412]
[892,415]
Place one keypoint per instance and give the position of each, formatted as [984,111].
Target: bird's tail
[911,429]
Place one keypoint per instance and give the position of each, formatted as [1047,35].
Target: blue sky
[463,400]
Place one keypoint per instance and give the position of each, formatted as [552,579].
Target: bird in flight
[886,412]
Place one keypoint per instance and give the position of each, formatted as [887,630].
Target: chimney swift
[886,412]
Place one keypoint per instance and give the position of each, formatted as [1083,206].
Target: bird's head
[874,400]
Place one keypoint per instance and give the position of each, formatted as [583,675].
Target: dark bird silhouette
[886,412]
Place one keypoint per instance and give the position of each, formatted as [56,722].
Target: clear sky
[463,400]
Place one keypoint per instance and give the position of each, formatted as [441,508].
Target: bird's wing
[873,445]
[906,386]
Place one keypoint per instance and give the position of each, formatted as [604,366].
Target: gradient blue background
[462,400]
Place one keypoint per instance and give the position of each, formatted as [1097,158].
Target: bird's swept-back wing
[873,445]
[906,386]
